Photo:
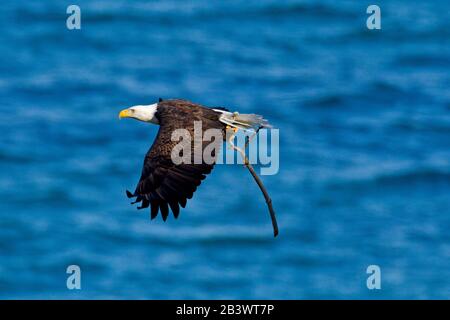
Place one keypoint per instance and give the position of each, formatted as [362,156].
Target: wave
[397,178]
[422,60]
[177,14]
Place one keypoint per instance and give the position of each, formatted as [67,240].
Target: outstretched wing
[164,184]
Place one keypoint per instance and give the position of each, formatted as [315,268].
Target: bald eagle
[164,184]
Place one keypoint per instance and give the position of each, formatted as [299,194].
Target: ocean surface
[364,120]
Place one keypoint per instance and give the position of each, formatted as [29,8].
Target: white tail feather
[244,121]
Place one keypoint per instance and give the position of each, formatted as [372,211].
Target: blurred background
[364,119]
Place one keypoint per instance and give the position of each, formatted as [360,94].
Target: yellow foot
[232,128]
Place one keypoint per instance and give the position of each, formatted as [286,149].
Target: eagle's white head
[142,113]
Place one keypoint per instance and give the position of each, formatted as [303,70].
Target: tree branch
[256,177]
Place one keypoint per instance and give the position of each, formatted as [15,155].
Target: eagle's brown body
[164,184]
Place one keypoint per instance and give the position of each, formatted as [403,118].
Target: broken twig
[256,177]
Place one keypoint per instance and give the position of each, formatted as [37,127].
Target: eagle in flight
[164,184]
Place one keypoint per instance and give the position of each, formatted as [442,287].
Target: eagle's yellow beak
[125,113]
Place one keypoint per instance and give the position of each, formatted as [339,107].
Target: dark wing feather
[168,185]
[163,184]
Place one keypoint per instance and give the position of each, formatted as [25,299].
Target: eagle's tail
[243,121]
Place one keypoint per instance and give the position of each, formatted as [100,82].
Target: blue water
[364,119]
